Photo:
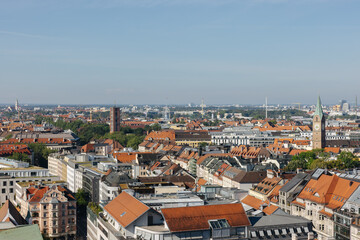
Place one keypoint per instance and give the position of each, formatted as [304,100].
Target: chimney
[270,173]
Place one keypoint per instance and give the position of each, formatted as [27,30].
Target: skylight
[122,214]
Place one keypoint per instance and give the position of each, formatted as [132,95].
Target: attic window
[316,194]
[221,223]
[122,214]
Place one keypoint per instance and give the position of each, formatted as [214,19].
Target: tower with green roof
[318,126]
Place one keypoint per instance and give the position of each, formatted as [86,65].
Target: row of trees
[131,137]
[127,136]
[317,158]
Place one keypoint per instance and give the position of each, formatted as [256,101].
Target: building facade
[318,127]
[115,119]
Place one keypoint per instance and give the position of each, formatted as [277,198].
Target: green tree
[318,163]
[348,160]
[20,156]
[82,198]
[41,154]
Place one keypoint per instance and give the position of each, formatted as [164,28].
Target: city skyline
[176,52]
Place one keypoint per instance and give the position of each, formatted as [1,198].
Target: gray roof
[115,178]
[275,219]
[293,182]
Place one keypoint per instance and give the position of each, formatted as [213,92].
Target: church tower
[318,127]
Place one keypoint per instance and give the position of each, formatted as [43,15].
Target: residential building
[8,185]
[280,226]
[9,214]
[120,217]
[322,196]
[224,221]
[291,189]
[52,207]
[110,184]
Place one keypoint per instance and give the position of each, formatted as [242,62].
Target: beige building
[52,207]
[321,197]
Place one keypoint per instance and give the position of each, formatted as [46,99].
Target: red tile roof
[270,209]
[196,218]
[125,157]
[126,209]
[332,191]
[253,202]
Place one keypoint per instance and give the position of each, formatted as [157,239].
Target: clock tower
[318,138]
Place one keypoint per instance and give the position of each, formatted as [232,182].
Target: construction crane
[299,104]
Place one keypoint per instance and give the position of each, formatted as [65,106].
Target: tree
[41,154]
[82,197]
[20,156]
[318,163]
[347,160]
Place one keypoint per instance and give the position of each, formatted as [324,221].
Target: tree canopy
[317,158]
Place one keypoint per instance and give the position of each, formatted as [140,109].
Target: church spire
[319,111]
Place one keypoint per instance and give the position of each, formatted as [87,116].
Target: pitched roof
[332,191]
[319,111]
[125,157]
[197,217]
[250,177]
[8,212]
[202,158]
[270,209]
[253,202]
[126,209]
[24,232]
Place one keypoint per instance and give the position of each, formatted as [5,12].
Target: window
[4,183]
[54,223]
[11,190]
[44,206]
[45,214]
[3,190]
[44,223]
[11,183]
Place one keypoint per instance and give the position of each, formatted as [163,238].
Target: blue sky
[179,51]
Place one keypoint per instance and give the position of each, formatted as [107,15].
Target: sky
[179,51]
